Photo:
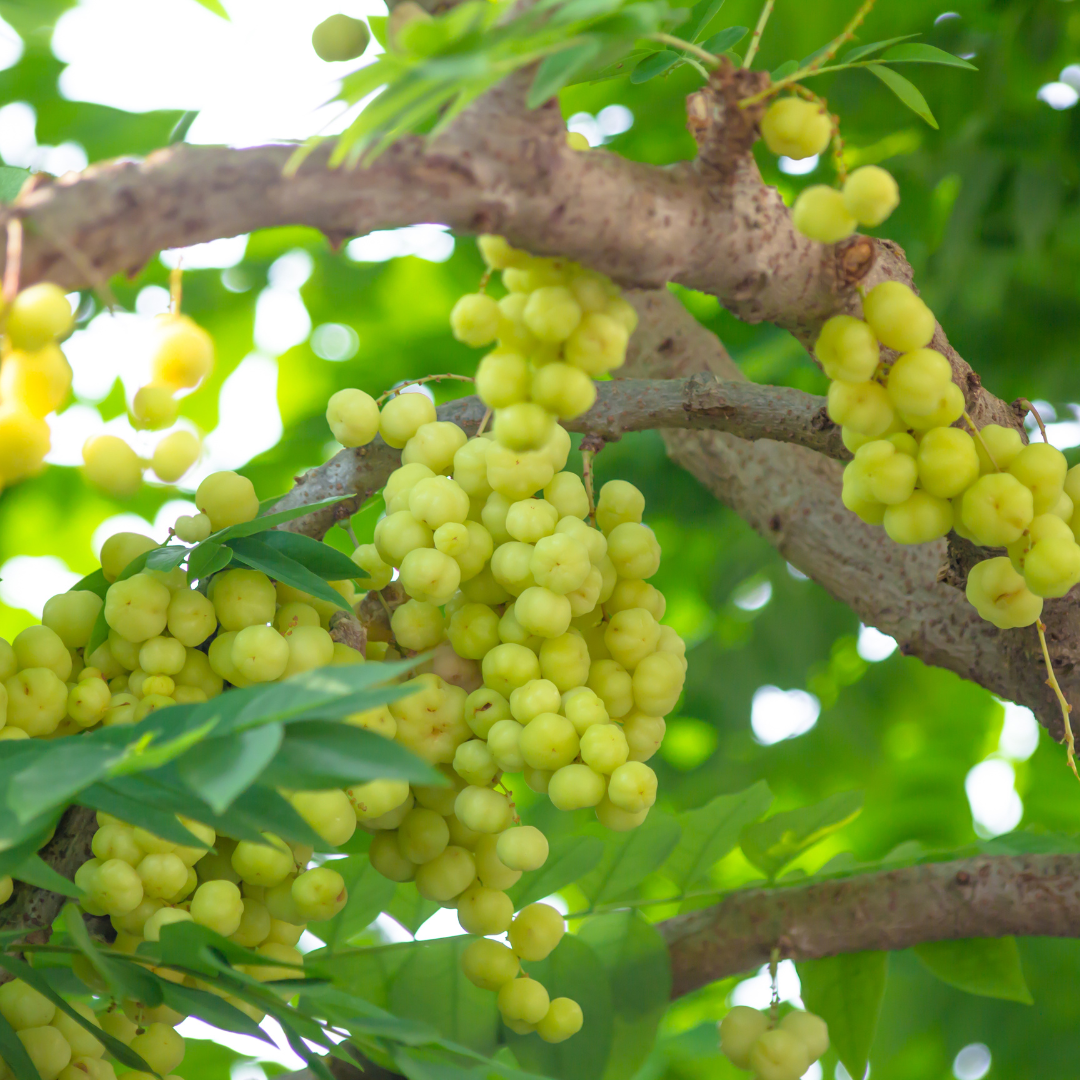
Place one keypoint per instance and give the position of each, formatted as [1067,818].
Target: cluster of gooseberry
[774,1051]
[550,658]
[799,129]
[182,356]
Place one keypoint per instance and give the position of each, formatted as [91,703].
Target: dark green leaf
[322,754]
[167,557]
[557,70]
[630,857]
[126,978]
[636,960]
[130,803]
[267,521]
[14,1053]
[726,39]
[208,558]
[771,844]
[788,67]
[710,832]
[369,893]
[654,65]
[99,634]
[218,770]
[989,967]
[11,182]
[37,872]
[253,552]
[212,1009]
[917,53]
[863,51]
[846,992]
[410,908]
[572,970]
[319,558]
[94,583]
[570,858]
[70,766]
[906,91]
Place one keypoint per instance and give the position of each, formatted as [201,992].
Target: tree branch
[987,896]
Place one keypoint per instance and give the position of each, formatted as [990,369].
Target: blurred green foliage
[990,220]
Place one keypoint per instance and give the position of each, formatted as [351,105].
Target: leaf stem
[818,62]
[419,382]
[755,41]
[1066,708]
[687,46]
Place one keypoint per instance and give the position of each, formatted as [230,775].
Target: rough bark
[984,897]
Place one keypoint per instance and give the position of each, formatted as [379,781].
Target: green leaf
[638,966]
[701,16]
[369,893]
[874,46]
[37,872]
[771,844]
[431,987]
[630,857]
[94,583]
[788,67]
[215,7]
[989,967]
[582,10]
[208,558]
[917,53]
[906,91]
[410,908]
[212,1009]
[14,1053]
[319,558]
[557,70]
[377,24]
[259,555]
[654,65]
[182,126]
[572,970]
[167,557]
[846,992]
[11,182]
[265,521]
[99,634]
[59,775]
[570,859]
[726,39]
[710,832]
[219,770]
[124,976]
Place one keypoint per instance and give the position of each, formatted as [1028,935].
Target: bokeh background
[784,684]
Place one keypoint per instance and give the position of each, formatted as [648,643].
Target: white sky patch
[1019,734]
[996,808]
[973,1062]
[27,581]
[232,71]
[19,145]
[119,523]
[431,242]
[798,166]
[213,255]
[391,930]
[11,46]
[610,121]
[281,1054]
[756,992]
[1058,95]
[442,924]
[873,645]
[752,595]
[777,714]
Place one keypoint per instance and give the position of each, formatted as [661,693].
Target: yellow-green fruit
[38,315]
[319,894]
[820,214]
[522,848]
[489,964]
[863,407]
[997,447]
[502,379]
[948,462]
[40,647]
[82,1043]
[227,498]
[917,381]
[72,615]
[523,1000]
[562,1020]
[996,509]
[1041,468]
[564,390]
[847,349]
[24,441]
[154,407]
[810,1030]
[24,1007]
[183,352]
[110,464]
[474,319]
[36,701]
[403,416]
[1052,566]
[535,931]
[386,858]
[919,519]
[37,381]
[574,786]
[47,1048]
[120,549]
[484,911]
[160,1047]
[598,345]
[739,1030]
[329,813]
[899,318]
[1000,594]
[435,445]
[340,38]
[795,128]
[632,787]
[523,426]
[380,573]
[353,416]
[243,598]
[871,194]
[483,810]
[266,864]
[447,875]
[552,313]
[778,1054]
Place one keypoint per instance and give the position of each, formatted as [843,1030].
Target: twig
[818,61]
[1038,419]
[774,1000]
[13,259]
[755,41]
[176,286]
[1066,708]
[687,46]
[484,422]
[587,476]
[982,442]
[393,392]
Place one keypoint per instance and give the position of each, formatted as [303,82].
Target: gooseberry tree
[197,728]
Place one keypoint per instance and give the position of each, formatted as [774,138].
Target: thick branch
[700,402]
[1026,895]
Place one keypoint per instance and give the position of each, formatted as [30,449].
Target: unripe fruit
[552,313]
[243,598]
[82,1043]
[192,528]
[484,911]
[37,381]
[473,631]
[948,462]
[795,128]
[319,894]
[386,858]
[917,381]
[489,964]
[899,318]
[619,502]
[380,573]
[71,616]
[38,316]
[110,464]
[1003,445]
[778,1055]
[24,1007]
[632,787]
[219,906]
[535,931]
[820,214]
[604,747]
[119,550]
[739,1030]
[535,697]
[1041,468]
[483,810]
[163,876]
[1000,595]
[116,888]
[227,498]
[504,741]
[564,390]
[36,701]
[598,345]
[562,1020]
[329,813]
[522,848]
[1052,566]
[847,349]
[919,519]
[160,1047]
[502,379]
[509,666]
[862,407]
[523,1000]
[567,494]
[475,763]
[46,1047]
[183,352]
[549,742]
[881,473]
[377,797]
[871,194]
[996,509]
[24,441]
[447,875]
[353,416]
[268,863]
[524,425]
[434,445]
[422,835]
[612,684]
[40,647]
[340,38]
[474,319]
[403,415]
[429,575]
[154,407]
[574,786]
[810,1030]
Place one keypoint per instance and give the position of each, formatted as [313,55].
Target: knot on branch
[723,131]
[854,258]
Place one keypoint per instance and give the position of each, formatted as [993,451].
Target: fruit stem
[176,287]
[755,41]
[587,476]
[687,46]
[774,1001]
[1030,408]
[419,382]
[821,59]
[483,423]
[982,442]
[13,259]
[1066,708]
